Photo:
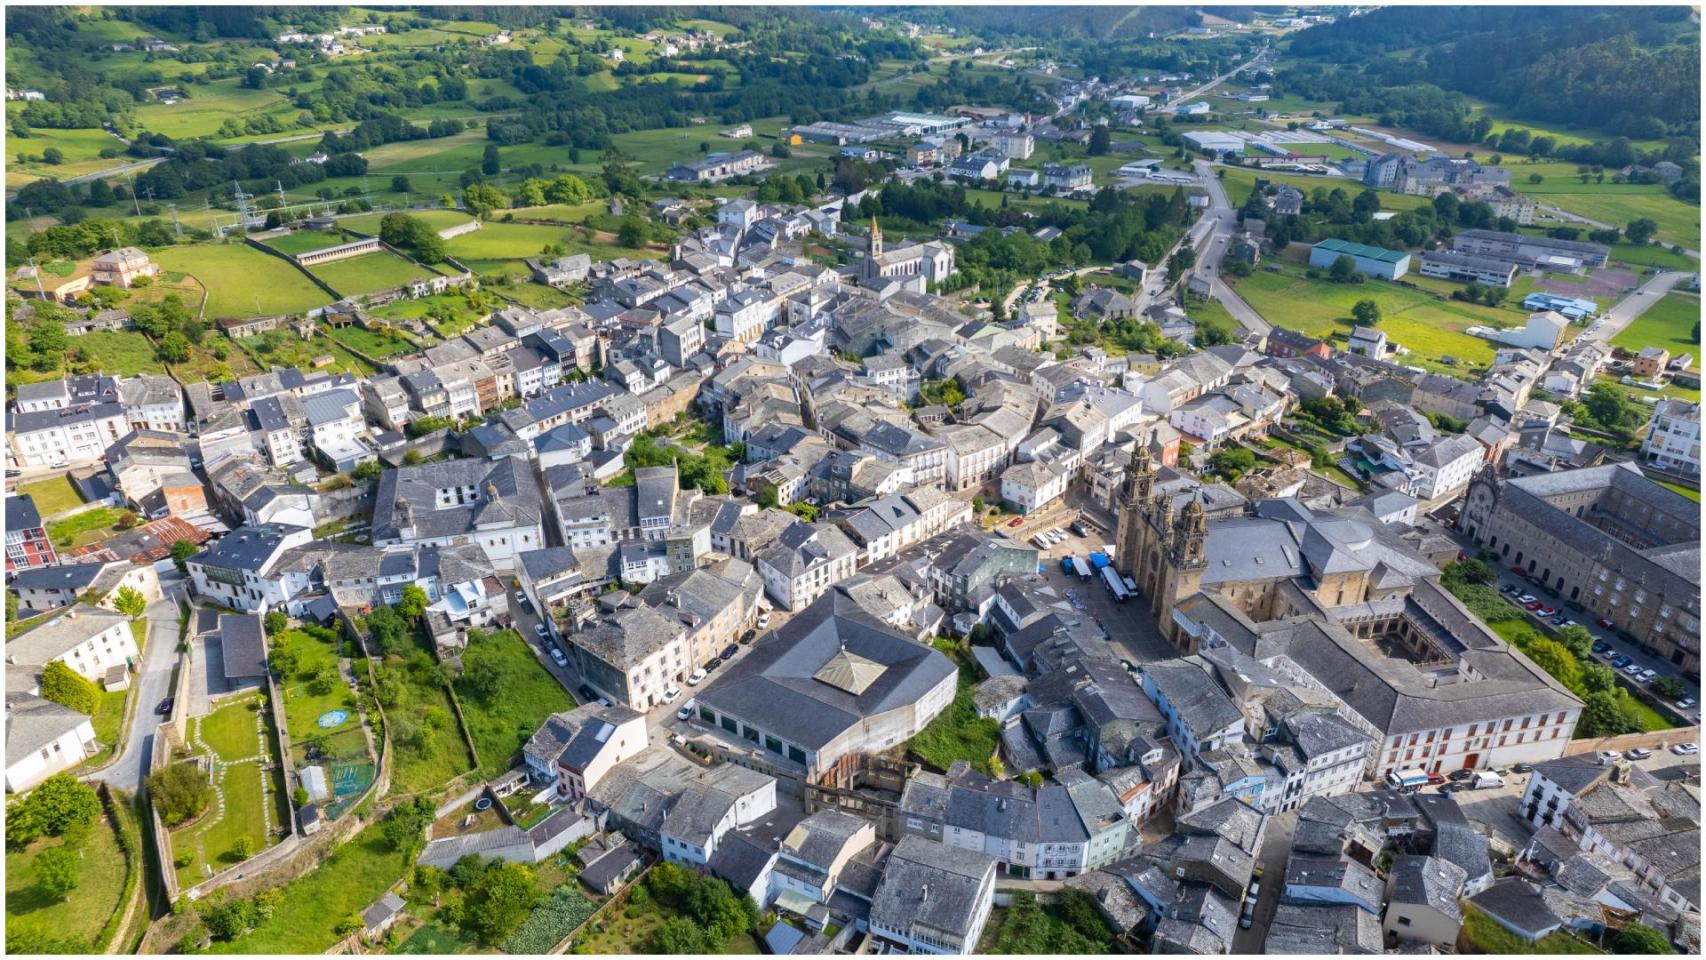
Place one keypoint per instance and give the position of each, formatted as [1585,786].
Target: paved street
[152,684]
[1624,312]
[1221,221]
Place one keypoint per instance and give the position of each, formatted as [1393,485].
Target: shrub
[67,687]
[61,804]
[181,792]
[551,921]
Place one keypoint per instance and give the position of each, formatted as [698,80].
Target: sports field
[368,272]
[304,241]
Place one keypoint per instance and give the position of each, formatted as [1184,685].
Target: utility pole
[133,198]
[37,271]
[176,226]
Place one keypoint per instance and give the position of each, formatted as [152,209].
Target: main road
[1218,225]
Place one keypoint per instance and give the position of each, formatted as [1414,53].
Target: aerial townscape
[852,480]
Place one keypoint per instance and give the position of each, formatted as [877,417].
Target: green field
[1429,328]
[82,149]
[51,495]
[302,706]
[109,714]
[356,874]
[210,104]
[82,529]
[305,241]
[1240,182]
[242,281]
[1671,323]
[84,912]
[429,747]
[376,345]
[369,272]
[500,720]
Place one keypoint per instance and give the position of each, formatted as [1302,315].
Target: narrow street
[1276,847]
[152,684]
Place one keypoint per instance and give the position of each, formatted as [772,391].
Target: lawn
[1688,492]
[82,529]
[437,754]
[357,873]
[242,281]
[1481,935]
[434,938]
[243,742]
[502,716]
[85,911]
[305,241]
[302,706]
[1428,327]
[283,348]
[208,107]
[1671,323]
[81,147]
[1613,203]
[1239,183]
[1652,255]
[369,272]
[507,241]
[958,733]
[108,718]
[52,495]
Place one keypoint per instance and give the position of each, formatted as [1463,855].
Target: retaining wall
[1653,740]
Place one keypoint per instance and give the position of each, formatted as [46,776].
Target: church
[931,262]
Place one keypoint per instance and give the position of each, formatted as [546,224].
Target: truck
[1407,781]
[1098,560]
[1066,565]
[1081,568]
[1115,586]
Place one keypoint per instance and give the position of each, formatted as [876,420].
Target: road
[1218,225]
[152,684]
[1624,312]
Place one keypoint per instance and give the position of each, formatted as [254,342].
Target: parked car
[671,695]
[1460,776]
[1607,756]
[1685,703]
[764,621]
[526,607]
[1435,779]
[1632,669]
[1620,661]
[586,693]
[1533,605]
[1647,675]
[1079,530]
[164,707]
[558,658]
[747,637]
[1248,917]
[1600,646]
[686,711]
[521,596]
[539,630]
[1522,767]
[1015,521]
[1544,611]
[697,678]
[1685,749]
[1508,588]
[1604,623]
[1526,599]
[1639,753]
[730,651]
[713,664]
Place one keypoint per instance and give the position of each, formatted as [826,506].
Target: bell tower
[1134,498]
[876,239]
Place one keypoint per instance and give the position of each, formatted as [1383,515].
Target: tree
[1344,270]
[53,155]
[413,602]
[285,660]
[181,792]
[400,184]
[483,198]
[368,471]
[1100,141]
[130,602]
[1603,715]
[243,848]
[174,348]
[182,551]
[489,164]
[632,233]
[679,936]
[1366,312]
[1536,178]
[57,869]
[1576,639]
[275,622]
[1598,678]
[1231,462]
[61,804]
[67,687]
[498,901]
[1552,657]
[1640,938]
[1641,231]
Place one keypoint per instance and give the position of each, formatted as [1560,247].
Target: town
[850,481]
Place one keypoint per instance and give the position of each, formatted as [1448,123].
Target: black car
[730,651]
[1459,776]
[588,695]
[1600,646]
[1079,530]
[165,706]
[713,664]
[747,637]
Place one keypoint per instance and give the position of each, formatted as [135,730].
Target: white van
[1485,779]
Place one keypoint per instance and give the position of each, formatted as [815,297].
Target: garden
[368,273]
[505,694]
[245,811]
[51,496]
[304,241]
[675,910]
[320,710]
[1068,925]
[90,526]
[430,751]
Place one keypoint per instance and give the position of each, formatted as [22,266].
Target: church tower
[876,239]
[1134,499]
[1187,558]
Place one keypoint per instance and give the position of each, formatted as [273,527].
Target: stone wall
[1654,740]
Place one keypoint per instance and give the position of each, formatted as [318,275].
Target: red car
[1519,571]
[1435,779]
[1536,605]
[1603,622]
[1015,521]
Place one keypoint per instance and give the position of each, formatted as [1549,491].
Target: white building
[1035,484]
[805,562]
[238,570]
[42,739]
[932,898]
[1446,466]
[1673,441]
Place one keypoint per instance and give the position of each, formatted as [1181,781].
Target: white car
[557,655]
[1633,670]
[1646,676]
[1685,703]
[671,695]
[1685,749]
[697,678]
[1607,756]
[686,711]
[521,596]
[539,630]
[764,621]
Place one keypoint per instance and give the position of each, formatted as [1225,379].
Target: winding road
[152,684]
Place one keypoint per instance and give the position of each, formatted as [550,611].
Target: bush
[181,792]
[551,921]
[67,687]
[61,804]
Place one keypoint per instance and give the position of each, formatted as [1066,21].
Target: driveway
[152,684]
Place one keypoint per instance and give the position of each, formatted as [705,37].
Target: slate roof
[21,513]
[1196,699]
[775,689]
[1518,905]
[931,884]
[517,501]
[39,646]
[243,645]
[32,723]
[1427,881]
